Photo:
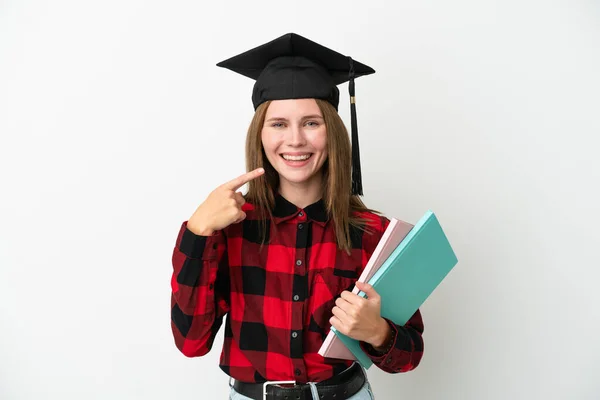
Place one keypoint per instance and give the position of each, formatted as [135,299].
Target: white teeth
[296,158]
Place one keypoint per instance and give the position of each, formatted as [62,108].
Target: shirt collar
[285,210]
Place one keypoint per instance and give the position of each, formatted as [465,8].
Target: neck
[302,194]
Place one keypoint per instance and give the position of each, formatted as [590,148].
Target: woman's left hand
[360,318]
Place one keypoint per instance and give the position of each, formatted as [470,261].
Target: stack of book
[409,262]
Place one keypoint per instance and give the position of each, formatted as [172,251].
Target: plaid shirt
[277,299]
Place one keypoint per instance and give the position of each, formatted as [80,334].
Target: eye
[312,123]
[277,124]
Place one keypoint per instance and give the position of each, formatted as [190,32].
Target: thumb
[368,289]
[240,218]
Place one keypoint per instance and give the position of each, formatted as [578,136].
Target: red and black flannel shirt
[277,299]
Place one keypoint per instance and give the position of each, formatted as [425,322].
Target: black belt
[342,386]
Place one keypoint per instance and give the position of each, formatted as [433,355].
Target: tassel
[356,173]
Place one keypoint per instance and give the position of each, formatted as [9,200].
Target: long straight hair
[341,206]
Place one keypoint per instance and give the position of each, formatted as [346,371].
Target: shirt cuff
[198,246]
[376,356]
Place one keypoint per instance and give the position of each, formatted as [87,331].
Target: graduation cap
[293,67]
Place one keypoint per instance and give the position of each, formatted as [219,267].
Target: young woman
[280,262]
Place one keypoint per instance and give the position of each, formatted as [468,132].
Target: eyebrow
[314,116]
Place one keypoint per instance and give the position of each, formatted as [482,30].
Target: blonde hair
[336,170]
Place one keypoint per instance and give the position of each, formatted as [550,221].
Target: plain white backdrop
[115,124]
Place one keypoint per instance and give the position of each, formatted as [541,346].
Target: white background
[115,124]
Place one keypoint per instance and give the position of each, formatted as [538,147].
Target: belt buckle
[274,383]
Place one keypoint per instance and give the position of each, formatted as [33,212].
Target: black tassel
[356,173]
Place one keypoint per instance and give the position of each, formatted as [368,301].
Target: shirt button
[294,335]
[300,226]
[301,214]
[298,372]
[298,262]
[296,297]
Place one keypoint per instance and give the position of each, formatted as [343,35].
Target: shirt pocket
[339,279]
[331,282]
[326,286]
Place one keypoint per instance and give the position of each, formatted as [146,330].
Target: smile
[302,157]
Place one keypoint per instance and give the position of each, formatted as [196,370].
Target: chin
[299,176]
[293,176]
[296,179]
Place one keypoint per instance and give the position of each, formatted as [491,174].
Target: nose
[296,136]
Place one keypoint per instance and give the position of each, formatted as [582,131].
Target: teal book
[408,276]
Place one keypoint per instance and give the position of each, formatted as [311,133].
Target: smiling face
[326,174]
[294,138]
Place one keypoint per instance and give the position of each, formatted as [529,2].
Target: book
[410,273]
[396,230]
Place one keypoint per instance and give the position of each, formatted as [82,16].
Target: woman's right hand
[222,207]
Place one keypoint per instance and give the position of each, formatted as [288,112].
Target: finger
[342,310]
[238,182]
[368,289]
[338,312]
[337,324]
[352,298]
[240,218]
[239,198]
[343,304]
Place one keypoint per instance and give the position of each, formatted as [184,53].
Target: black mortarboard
[293,67]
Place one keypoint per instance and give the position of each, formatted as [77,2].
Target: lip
[295,164]
[295,153]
